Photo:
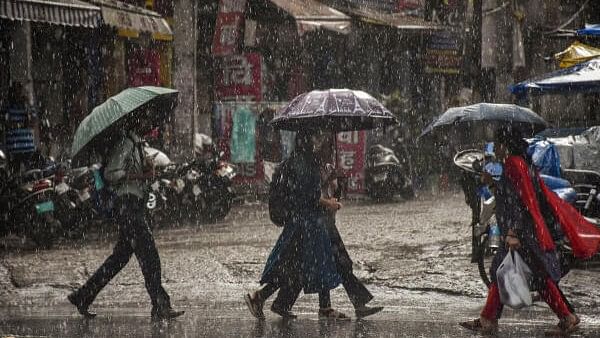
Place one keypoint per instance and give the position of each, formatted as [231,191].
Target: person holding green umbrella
[126,173]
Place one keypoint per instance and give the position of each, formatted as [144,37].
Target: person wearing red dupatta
[531,218]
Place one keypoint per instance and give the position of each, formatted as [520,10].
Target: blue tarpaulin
[584,77]
[590,30]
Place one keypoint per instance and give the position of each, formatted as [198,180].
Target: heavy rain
[299,168]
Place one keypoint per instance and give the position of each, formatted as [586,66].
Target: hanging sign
[229,27]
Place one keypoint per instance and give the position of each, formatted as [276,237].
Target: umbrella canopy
[335,110]
[130,109]
[482,119]
[583,77]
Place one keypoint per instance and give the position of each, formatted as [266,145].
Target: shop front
[43,46]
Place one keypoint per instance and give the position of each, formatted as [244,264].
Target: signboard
[229,27]
[351,159]
[240,78]
[143,67]
[443,53]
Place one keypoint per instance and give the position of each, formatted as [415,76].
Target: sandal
[563,328]
[330,313]
[476,326]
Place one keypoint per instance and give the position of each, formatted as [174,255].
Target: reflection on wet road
[414,257]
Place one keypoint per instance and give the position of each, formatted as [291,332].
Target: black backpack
[280,208]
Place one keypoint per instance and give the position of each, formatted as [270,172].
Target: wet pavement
[414,257]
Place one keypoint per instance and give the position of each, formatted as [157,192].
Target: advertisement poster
[236,133]
[351,159]
[229,27]
[143,67]
[240,78]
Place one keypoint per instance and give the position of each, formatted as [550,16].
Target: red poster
[351,159]
[228,32]
[143,67]
[240,78]
[229,27]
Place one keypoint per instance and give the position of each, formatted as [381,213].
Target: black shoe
[283,313]
[165,314]
[255,306]
[365,311]
[82,307]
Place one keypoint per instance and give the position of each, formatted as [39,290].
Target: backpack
[280,208]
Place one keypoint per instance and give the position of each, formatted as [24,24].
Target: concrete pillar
[185,74]
[21,58]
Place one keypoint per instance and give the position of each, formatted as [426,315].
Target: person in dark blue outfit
[302,258]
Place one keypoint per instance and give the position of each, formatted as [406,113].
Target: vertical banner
[240,78]
[229,27]
[351,159]
[235,131]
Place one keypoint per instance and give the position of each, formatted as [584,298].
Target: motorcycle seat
[555,183]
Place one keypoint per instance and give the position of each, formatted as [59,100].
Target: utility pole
[476,49]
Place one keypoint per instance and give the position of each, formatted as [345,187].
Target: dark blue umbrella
[333,110]
[482,119]
[584,77]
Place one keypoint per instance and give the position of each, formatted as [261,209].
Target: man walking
[125,174]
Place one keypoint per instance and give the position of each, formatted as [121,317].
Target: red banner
[351,158]
[240,78]
[143,67]
[229,27]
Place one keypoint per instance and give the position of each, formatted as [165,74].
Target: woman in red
[531,218]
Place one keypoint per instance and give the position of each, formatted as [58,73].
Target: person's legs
[85,295]
[487,323]
[147,255]
[556,300]
[266,291]
[493,307]
[358,294]
[568,321]
[286,297]
[324,299]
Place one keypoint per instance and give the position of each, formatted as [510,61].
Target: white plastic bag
[513,277]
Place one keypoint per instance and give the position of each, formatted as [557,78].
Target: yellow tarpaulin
[576,53]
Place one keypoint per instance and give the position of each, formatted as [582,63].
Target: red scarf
[583,236]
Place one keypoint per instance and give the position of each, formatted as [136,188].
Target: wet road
[413,255]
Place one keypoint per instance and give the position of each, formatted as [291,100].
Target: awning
[396,20]
[584,77]
[58,12]
[576,53]
[133,19]
[312,15]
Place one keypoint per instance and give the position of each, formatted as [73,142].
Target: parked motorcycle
[204,188]
[386,175]
[587,185]
[201,187]
[76,201]
[486,232]
[27,201]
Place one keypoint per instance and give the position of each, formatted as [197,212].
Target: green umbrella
[132,108]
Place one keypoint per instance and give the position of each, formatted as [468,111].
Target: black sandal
[475,325]
[330,313]
[563,328]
